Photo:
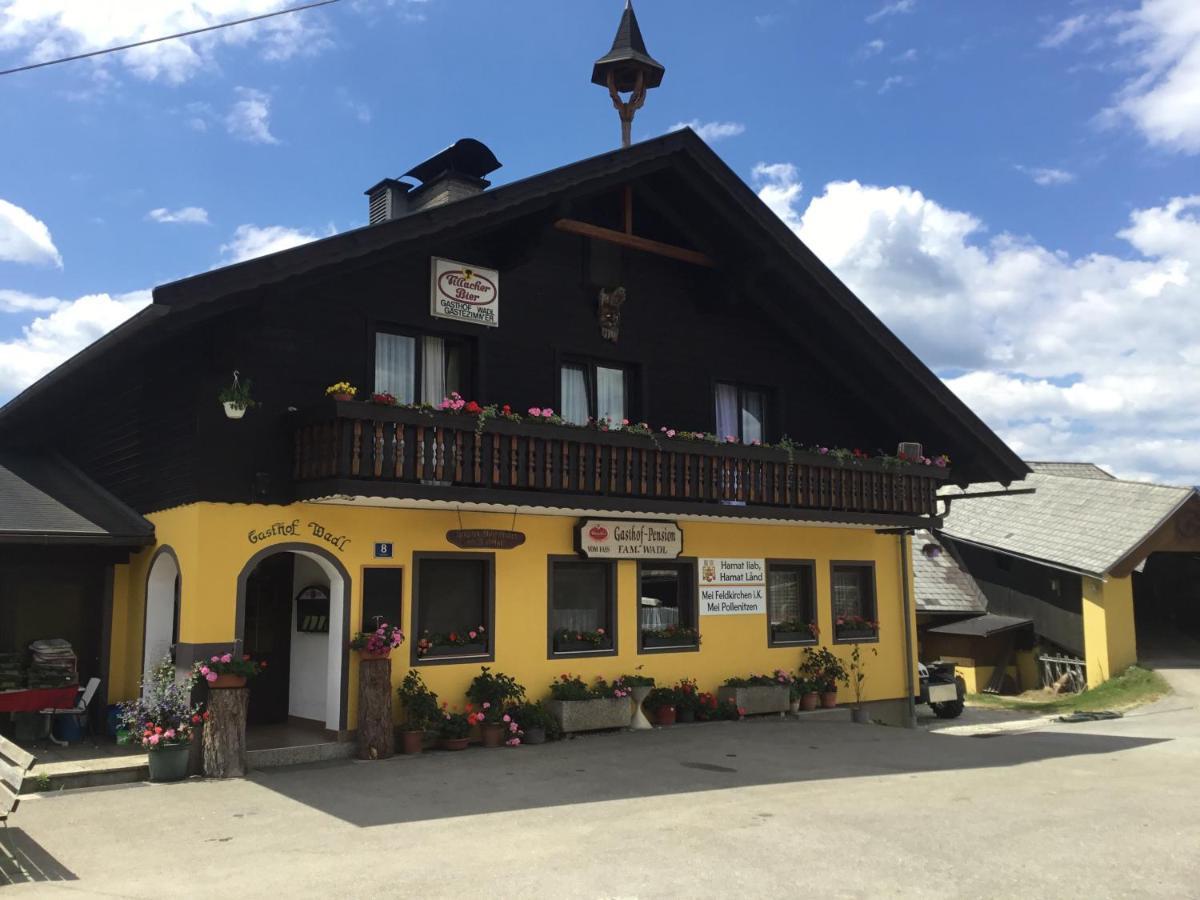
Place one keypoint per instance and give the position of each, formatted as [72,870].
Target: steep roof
[1073,469]
[759,232]
[941,586]
[46,500]
[1086,524]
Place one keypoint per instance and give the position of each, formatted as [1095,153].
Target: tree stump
[225,733]
[376,732]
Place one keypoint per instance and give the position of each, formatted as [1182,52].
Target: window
[791,603]
[594,391]
[424,368]
[383,594]
[667,610]
[853,592]
[741,413]
[582,616]
[453,607]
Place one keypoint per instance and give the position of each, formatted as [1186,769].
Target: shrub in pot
[660,703]
[163,721]
[713,710]
[454,730]
[687,700]
[825,671]
[421,711]
[491,694]
[535,722]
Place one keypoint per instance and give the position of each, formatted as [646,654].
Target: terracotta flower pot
[493,733]
[228,681]
[828,699]
[412,741]
[454,743]
[810,701]
[664,715]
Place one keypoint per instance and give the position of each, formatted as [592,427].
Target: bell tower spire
[628,68]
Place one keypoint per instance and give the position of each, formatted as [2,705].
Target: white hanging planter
[233,410]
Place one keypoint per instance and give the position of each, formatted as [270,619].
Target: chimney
[387,200]
[454,174]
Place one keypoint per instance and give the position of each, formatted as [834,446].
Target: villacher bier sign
[616,539]
[465,293]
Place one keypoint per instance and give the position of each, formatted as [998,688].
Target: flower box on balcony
[758,699]
[592,715]
[562,645]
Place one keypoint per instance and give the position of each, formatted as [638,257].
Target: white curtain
[610,394]
[574,395]
[727,411]
[433,370]
[783,595]
[752,417]
[847,592]
[395,366]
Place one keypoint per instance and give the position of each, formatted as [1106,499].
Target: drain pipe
[909,663]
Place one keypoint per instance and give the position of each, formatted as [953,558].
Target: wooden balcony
[361,449]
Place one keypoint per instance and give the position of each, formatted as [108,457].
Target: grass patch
[1132,687]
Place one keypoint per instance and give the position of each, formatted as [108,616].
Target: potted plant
[568,641]
[578,706]
[341,390]
[638,687]
[759,694]
[421,711]
[670,636]
[829,672]
[536,722]
[712,710]
[236,398]
[491,693]
[226,670]
[858,677]
[454,730]
[687,700]
[163,720]
[660,702]
[804,694]
[377,644]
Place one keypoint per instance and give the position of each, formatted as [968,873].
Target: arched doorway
[161,622]
[292,613]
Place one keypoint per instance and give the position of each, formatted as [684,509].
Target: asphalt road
[756,809]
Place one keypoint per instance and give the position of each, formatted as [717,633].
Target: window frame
[742,388]
[589,364]
[691,563]
[467,342]
[418,558]
[834,565]
[811,566]
[362,593]
[613,616]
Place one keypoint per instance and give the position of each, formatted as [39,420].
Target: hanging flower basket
[232,410]
[236,398]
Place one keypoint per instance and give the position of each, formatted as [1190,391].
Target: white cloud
[1066,29]
[871,48]
[712,131]
[1047,177]
[894,81]
[37,30]
[25,239]
[1163,100]
[909,55]
[1092,357]
[19,302]
[892,9]
[185,215]
[249,119]
[249,241]
[51,339]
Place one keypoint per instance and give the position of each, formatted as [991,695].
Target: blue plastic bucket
[68,728]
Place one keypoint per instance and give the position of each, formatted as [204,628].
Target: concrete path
[755,809]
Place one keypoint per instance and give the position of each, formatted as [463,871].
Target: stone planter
[591,715]
[639,693]
[757,700]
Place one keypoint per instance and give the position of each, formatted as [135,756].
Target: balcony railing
[372,446]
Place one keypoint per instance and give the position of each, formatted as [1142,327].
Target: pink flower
[216,659]
[487,705]
[507,717]
[535,410]
[599,631]
[228,657]
[547,413]
[204,670]
[512,726]
[730,439]
[624,421]
[169,733]
[670,432]
[211,677]
[472,633]
[154,739]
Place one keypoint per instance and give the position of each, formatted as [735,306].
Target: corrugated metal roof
[1088,524]
[941,586]
[982,626]
[45,499]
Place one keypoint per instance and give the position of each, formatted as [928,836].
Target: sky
[1013,187]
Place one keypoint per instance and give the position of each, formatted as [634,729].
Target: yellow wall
[212,544]
[1109,637]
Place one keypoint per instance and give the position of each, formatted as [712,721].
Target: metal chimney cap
[466,156]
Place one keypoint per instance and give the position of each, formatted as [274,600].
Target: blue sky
[1011,186]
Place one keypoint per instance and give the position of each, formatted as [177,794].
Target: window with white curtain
[853,595]
[427,368]
[740,413]
[593,391]
[791,602]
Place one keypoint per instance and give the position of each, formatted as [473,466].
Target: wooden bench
[15,763]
